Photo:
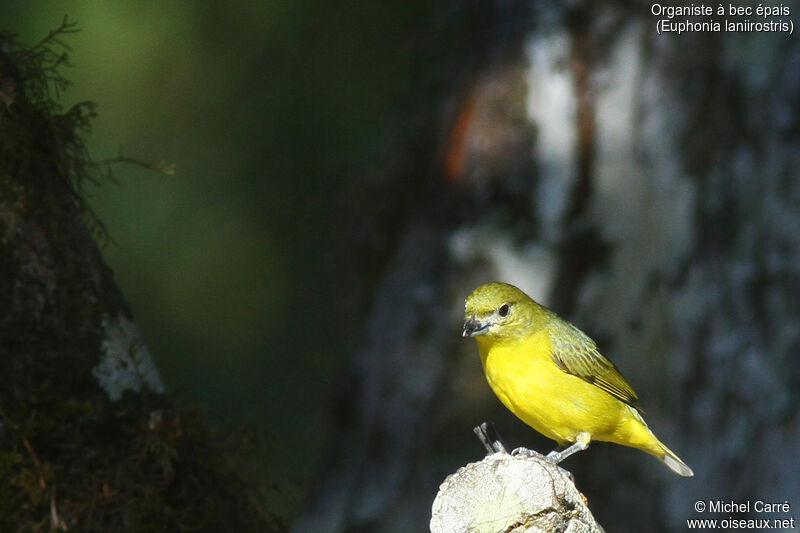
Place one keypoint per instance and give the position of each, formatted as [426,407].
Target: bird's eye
[502,310]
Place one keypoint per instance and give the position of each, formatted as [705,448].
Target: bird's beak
[473,327]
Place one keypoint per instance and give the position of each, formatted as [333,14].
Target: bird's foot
[555,457]
[525,452]
[581,443]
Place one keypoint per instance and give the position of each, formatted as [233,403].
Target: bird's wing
[576,354]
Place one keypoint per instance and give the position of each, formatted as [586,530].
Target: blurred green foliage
[269,111]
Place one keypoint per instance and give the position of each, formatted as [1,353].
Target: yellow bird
[550,374]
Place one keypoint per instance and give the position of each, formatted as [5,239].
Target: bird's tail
[674,462]
[639,436]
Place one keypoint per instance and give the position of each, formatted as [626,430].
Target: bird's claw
[524,452]
[553,457]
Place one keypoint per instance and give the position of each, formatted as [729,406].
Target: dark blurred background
[268,111]
[347,172]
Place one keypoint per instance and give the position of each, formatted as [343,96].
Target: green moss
[116,469]
[37,138]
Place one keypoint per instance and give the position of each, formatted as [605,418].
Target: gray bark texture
[644,187]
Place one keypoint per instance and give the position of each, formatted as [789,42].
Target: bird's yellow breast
[523,375]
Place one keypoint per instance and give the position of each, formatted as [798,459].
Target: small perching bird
[551,375]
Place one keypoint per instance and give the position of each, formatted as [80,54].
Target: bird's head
[498,310]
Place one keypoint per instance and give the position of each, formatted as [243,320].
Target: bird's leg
[581,443]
